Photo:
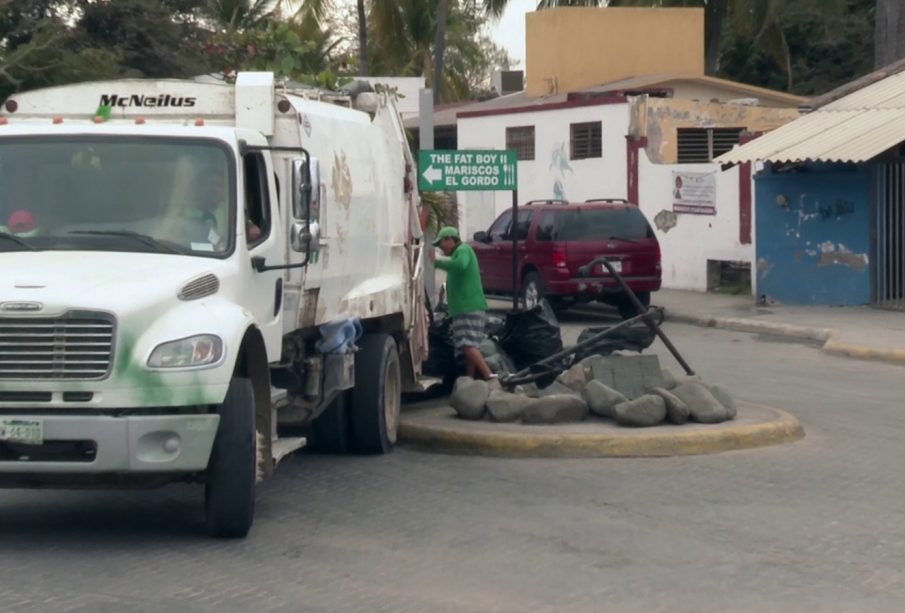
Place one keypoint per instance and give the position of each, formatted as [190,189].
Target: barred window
[586,140]
[521,139]
[701,145]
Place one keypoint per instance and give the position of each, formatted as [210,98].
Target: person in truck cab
[465,296]
[212,208]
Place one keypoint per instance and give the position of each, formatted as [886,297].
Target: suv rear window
[601,224]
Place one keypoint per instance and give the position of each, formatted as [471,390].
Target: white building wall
[695,238]
[685,247]
[551,174]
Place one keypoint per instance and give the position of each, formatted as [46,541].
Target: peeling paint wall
[813,235]
[688,241]
[659,119]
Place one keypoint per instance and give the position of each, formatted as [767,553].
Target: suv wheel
[532,290]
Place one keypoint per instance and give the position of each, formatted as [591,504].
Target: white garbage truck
[197,278]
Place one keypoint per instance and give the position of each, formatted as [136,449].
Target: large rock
[648,410]
[702,405]
[677,411]
[503,406]
[575,378]
[722,395]
[469,398]
[602,398]
[669,379]
[556,409]
[629,375]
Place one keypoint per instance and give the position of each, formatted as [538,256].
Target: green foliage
[801,46]
[402,35]
[826,48]
[437,204]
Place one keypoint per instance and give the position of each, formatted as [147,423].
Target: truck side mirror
[306,188]
[303,239]
[480,237]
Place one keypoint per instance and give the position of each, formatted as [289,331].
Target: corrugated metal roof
[855,128]
[888,93]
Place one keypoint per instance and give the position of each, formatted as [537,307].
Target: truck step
[422,385]
[278,398]
[284,446]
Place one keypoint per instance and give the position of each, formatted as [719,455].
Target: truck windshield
[116,194]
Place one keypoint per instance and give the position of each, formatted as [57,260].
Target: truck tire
[377,395]
[330,432]
[229,495]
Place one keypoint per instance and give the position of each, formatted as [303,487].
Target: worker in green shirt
[465,296]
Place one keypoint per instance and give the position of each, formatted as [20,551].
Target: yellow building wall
[570,48]
[660,118]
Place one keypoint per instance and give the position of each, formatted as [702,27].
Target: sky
[509,31]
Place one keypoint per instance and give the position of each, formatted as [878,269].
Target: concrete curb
[436,430]
[825,336]
[753,326]
[864,352]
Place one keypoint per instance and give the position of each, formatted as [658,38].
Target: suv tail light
[559,258]
[657,261]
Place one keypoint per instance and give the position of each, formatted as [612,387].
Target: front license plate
[600,269]
[28,431]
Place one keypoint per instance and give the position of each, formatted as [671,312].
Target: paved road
[817,525]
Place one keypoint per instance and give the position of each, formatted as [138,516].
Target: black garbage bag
[633,338]
[531,336]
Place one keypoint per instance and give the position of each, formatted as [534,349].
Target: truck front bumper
[96,444]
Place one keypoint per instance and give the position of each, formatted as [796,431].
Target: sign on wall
[694,193]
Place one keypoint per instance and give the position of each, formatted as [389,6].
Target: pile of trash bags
[514,341]
[518,339]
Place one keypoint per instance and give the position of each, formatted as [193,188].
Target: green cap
[447,232]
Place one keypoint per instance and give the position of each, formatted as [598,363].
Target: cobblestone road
[816,525]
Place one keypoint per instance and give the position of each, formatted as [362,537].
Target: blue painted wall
[813,234]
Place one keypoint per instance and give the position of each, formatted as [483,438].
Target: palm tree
[362,39]
[889,38]
[759,20]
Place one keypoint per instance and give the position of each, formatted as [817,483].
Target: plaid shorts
[468,330]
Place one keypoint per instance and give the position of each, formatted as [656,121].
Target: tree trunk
[362,40]
[440,47]
[889,28]
[715,14]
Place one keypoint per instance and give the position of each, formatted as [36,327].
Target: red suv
[556,238]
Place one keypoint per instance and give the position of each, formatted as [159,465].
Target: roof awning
[855,135]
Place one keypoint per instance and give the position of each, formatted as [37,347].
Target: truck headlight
[201,350]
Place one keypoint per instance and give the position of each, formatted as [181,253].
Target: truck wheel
[377,395]
[627,308]
[229,496]
[330,432]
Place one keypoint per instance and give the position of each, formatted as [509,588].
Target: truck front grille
[76,346]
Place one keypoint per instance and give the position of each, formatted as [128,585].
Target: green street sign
[453,170]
